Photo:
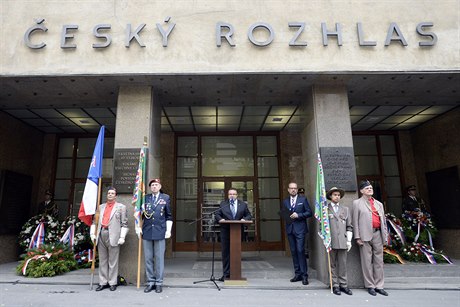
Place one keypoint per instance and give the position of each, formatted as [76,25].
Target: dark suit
[296,232]
[224,212]
[410,204]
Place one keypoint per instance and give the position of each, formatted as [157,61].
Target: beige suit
[372,251]
[340,223]
[107,243]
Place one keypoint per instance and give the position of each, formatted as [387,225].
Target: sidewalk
[271,272]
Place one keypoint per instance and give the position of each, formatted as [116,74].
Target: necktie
[232,205]
[292,203]
[154,200]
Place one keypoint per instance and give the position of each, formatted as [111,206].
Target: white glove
[124,231]
[349,237]
[92,233]
[138,231]
[168,229]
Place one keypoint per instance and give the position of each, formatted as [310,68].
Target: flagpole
[96,221]
[139,251]
[330,272]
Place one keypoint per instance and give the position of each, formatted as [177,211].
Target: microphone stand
[211,278]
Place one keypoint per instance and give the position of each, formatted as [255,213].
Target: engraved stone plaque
[339,167]
[125,164]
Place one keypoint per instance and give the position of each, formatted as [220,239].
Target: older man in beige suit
[112,228]
[341,235]
[370,232]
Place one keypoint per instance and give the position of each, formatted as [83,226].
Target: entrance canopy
[228,102]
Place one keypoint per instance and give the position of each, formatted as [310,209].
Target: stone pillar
[138,115]
[327,124]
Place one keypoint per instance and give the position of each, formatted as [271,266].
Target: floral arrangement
[47,261]
[84,258]
[52,226]
[410,238]
[82,240]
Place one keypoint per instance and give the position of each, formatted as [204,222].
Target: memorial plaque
[125,164]
[339,167]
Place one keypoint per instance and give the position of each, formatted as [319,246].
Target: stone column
[327,125]
[138,115]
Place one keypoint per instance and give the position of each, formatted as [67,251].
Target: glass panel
[186,210]
[64,168]
[62,189]
[107,168]
[270,231]
[364,145]
[229,156]
[65,148]
[187,188]
[63,207]
[390,166]
[77,196]
[86,147]
[266,146]
[366,166]
[187,167]
[82,168]
[213,195]
[268,188]
[269,208]
[393,186]
[267,166]
[187,146]
[185,232]
[394,205]
[387,144]
[109,144]
[246,193]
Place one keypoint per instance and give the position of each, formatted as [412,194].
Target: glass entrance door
[213,193]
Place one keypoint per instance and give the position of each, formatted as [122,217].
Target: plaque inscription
[339,167]
[125,164]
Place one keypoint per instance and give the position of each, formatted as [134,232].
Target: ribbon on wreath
[68,236]
[398,230]
[393,253]
[46,255]
[418,234]
[429,254]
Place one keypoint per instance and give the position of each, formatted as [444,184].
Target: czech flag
[38,237]
[90,194]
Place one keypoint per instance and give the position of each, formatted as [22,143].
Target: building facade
[232,94]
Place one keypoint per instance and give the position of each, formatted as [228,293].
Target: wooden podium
[235,252]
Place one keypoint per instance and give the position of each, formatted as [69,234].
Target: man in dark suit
[230,209]
[156,227]
[296,229]
[411,202]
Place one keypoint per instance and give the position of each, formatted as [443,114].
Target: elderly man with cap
[370,232]
[411,202]
[341,235]
[156,227]
[109,234]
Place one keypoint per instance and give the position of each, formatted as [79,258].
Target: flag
[68,236]
[139,186]
[321,207]
[90,194]
[38,237]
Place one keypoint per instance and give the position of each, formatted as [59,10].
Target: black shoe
[159,289]
[336,291]
[223,278]
[102,287]
[381,291]
[305,281]
[346,290]
[113,288]
[372,291]
[296,278]
[149,288]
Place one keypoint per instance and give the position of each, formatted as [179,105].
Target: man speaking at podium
[230,209]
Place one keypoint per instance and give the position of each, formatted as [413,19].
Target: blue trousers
[154,256]
[297,246]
